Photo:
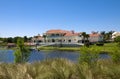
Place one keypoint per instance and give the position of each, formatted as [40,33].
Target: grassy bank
[60,69]
[60,48]
[107,48]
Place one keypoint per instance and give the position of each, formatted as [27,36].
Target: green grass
[107,48]
[60,48]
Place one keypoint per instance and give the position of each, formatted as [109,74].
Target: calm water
[8,55]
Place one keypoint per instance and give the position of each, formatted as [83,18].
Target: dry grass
[60,69]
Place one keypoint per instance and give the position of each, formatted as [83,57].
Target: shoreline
[107,48]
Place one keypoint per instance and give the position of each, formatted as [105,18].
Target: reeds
[60,69]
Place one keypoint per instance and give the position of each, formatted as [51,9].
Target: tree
[22,53]
[29,39]
[117,39]
[1,39]
[84,35]
[107,35]
[87,36]
[103,34]
[110,34]
[16,38]
[44,36]
[25,39]
[10,40]
[5,40]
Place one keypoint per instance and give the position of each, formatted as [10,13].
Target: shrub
[22,53]
[116,56]
[88,55]
[99,44]
[117,39]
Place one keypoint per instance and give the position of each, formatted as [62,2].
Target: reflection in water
[41,55]
[8,55]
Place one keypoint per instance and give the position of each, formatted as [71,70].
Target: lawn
[107,48]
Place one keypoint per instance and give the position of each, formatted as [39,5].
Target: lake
[7,56]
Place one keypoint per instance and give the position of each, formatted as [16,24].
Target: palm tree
[107,36]
[44,36]
[84,36]
[103,34]
[87,36]
[110,34]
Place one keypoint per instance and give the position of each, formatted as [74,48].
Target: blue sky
[30,17]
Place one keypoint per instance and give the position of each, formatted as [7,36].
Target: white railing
[47,44]
[56,43]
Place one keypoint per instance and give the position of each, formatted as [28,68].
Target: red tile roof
[37,37]
[57,31]
[94,35]
[71,34]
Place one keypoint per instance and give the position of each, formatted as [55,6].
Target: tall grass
[60,69]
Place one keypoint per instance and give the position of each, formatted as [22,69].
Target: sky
[32,17]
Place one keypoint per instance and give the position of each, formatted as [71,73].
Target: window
[40,41]
[79,41]
[52,34]
[57,34]
[69,40]
[53,40]
[59,40]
